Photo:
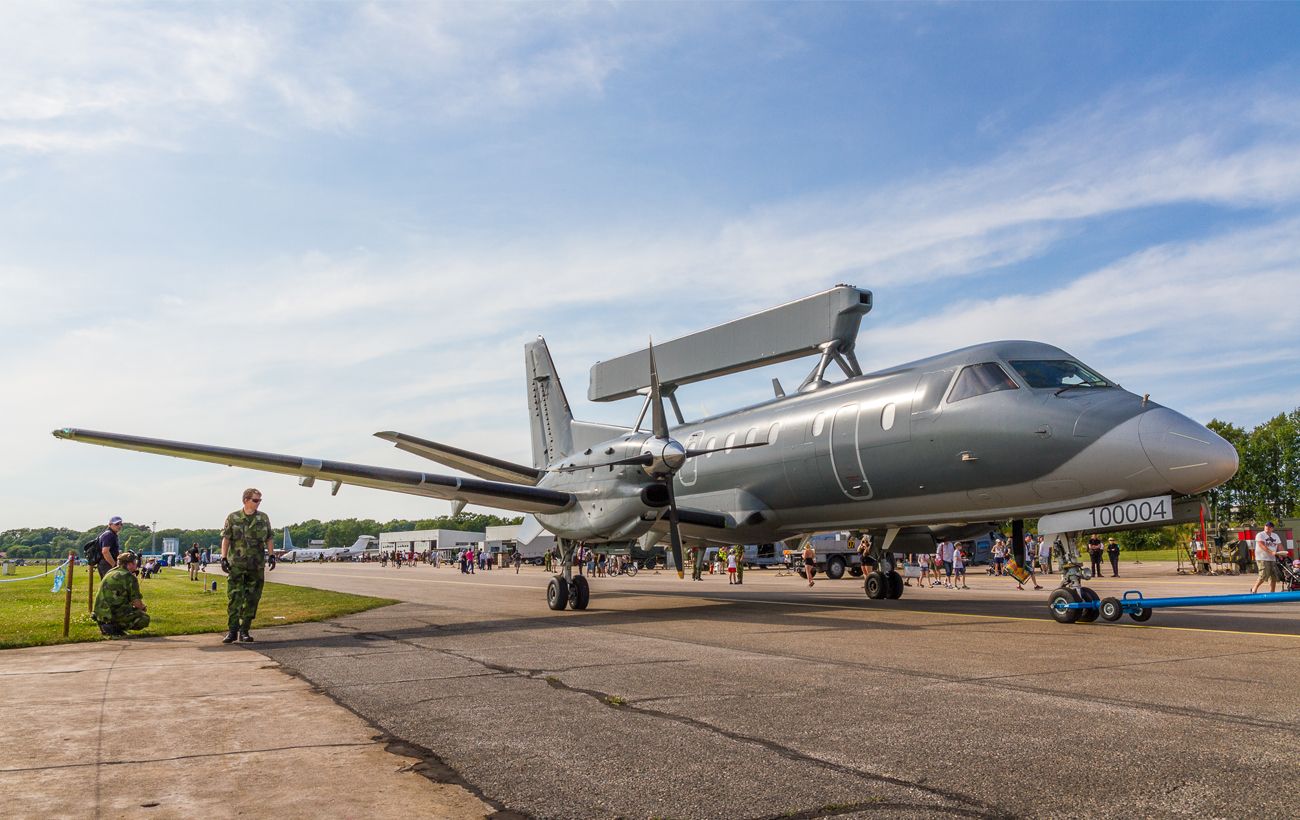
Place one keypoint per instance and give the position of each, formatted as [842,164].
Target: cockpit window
[978,379]
[1054,373]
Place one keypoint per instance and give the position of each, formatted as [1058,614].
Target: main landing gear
[566,590]
[884,582]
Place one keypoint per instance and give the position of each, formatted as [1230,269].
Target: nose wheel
[557,593]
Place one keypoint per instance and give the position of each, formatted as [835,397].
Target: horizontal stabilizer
[466,460]
[448,488]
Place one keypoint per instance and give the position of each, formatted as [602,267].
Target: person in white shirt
[1267,545]
[945,555]
[1044,554]
[958,568]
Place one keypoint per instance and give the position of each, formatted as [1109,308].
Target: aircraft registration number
[1138,512]
[1143,511]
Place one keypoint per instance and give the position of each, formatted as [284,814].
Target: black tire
[649,562]
[579,593]
[856,572]
[1087,616]
[1059,598]
[630,569]
[835,567]
[1142,615]
[1111,609]
[557,593]
[876,586]
[894,584]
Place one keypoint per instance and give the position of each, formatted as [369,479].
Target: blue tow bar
[1067,608]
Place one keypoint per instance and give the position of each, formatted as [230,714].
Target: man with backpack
[105,550]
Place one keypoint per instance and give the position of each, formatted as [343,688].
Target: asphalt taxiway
[671,698]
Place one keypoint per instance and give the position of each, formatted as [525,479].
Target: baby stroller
[1289,570]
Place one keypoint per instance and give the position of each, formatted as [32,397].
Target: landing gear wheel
[894,586]
[579,593]
[1111,609]
[876,585]
[835,568]
[1087,616]
[1143,614]
[1057,602]
[557,593]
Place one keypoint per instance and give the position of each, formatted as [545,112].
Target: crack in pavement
[967,806]
[197,755]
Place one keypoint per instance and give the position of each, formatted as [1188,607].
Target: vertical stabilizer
[549,415]
[287,544]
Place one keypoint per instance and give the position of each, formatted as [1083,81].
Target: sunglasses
[255,500]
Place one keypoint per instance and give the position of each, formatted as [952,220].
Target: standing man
[1094,554]
[192,559]
[246,547]
[119,605]
[1112,552]
[1044,554]
[108,546]
[1267,544]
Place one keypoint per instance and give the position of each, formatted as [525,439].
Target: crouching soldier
[118,606]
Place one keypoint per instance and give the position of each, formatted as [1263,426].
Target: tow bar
[1066,606]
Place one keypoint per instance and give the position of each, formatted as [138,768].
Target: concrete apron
[185,726]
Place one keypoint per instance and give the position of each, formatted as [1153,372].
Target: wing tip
[64,432]
[388,435]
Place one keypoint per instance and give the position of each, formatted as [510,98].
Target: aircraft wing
[498,494]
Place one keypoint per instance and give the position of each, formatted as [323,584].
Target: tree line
[57,542]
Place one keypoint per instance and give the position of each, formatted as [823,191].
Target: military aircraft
[936,448]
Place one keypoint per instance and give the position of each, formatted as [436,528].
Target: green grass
[30,615]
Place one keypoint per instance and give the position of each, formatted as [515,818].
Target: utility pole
[153,539]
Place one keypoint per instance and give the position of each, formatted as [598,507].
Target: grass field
[30,615]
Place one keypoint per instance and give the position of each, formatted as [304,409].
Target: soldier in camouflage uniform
[246,545]
[118,606]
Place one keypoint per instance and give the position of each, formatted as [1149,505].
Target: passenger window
[978,379]
[772,433]
[708,445]
[751,436]
[818,424]
[731,439]
[887,416]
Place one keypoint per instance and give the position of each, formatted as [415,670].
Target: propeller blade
[694,453]
[658,419]
[643,460]
[674,529]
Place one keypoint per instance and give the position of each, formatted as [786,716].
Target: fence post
[67,594]
[90,589]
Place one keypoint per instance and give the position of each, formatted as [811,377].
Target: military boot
[230,637]
[244,637]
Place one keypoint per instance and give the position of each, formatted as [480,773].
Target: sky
[285,227]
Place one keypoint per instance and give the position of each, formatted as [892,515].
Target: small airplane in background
[939,448]
[358,548]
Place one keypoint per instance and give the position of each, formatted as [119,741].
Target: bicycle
[629,569]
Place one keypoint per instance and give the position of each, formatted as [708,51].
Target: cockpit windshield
[1057,373]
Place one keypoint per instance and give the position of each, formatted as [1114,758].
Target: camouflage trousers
[243,591]
[131,619]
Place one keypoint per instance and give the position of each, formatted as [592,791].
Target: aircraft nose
[1189,456]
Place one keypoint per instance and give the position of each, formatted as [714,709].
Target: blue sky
[288,226]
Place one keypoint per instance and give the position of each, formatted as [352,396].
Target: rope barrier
[33,577]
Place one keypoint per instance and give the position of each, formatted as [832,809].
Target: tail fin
[287,544]
[548,409]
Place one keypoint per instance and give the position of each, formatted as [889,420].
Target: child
[731,567]
[958,568]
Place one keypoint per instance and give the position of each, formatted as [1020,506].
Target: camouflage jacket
[248,535]
[116,592]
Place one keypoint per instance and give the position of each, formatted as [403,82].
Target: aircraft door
[690,470]
[845,457]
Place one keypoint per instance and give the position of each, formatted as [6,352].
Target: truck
[837,552]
